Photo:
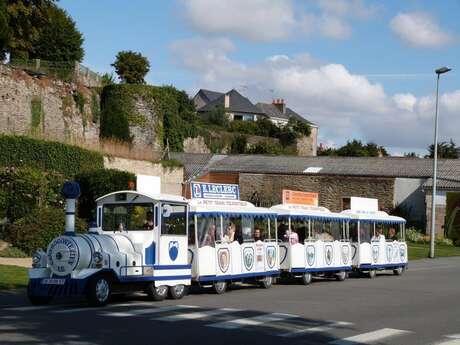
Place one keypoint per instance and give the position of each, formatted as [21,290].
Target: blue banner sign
[215,191]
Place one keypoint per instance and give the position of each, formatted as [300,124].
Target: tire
[341,276]
[219,287]
[371,274]
[398,271]
[156,293]
[99,291]
[267,282]
[307,278]
[177,291]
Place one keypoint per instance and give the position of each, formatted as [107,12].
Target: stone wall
[171,178]
[267,188]
[56,114]
[306,146]
[145,132]
[195,145]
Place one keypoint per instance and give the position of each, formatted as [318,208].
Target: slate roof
[238,103]
[210,95]
[272,111]
[196,164]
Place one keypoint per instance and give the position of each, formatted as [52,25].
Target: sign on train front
[215,191]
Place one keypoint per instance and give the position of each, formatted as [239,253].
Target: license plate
[53,281]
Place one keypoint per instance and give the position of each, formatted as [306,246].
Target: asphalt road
[420,307]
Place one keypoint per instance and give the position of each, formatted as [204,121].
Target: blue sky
[359,69]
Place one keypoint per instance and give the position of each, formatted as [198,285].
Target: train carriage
[378,239]
[232,240]
[314,241]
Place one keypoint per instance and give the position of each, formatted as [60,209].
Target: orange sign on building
[301,198]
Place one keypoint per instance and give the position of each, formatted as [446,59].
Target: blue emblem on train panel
[173,250]
[402,252]
[329,255]
[345,254]
[375,253]
[271,256]
[389,252]
[248,258]
[310,255]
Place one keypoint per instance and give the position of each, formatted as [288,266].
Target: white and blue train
[161,244]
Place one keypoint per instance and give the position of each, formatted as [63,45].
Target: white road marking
[370,337]
[318,329]
[197,315]
[252,321]
[153,310]
[449,342]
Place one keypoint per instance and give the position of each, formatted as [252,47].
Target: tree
[59,39]
[131,67]
[355,148]
[108,79]
[4,30]
[238,144]
[299,126]
[445,150]
[26,20]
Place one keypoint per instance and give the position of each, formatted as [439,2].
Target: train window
[232,229]
[301,228]
[173,219]
[283,229]
[209,230]
[127,217]
[366,229]
[247,225]
[261,229]
[191,230]
[353,229]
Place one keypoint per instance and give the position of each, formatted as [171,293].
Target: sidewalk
[23,262]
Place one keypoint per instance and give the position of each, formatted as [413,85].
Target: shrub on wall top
[47,155]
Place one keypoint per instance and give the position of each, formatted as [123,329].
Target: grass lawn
[420,251]
[12,277]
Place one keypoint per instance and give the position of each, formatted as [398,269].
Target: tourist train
[162,244]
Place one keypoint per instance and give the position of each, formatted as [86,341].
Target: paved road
[421,307]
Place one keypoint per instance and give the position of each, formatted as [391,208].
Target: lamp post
[439,71]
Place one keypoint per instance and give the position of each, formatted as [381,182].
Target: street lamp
[439,71]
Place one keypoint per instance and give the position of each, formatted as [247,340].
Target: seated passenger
[378,235]
[258,235]
[148,224]
[229,235]
[210,236]
[392,234]
[291,237]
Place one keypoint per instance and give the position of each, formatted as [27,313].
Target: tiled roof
[272,111]
[199,164]
[210,95]
[238,103]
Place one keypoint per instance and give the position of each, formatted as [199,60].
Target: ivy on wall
[37,113]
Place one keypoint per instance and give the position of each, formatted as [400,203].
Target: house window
[243,117]
[345,204]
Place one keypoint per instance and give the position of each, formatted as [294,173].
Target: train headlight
[37,258]
[98,259]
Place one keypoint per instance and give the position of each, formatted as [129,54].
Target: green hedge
[25,188]
[47,155]
[94,184]
[39,228]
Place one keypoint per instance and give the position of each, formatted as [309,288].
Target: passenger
[258,235]
[149,225]
[210,236]
[378,235]
[238,235]
[282,229]
[229,236]
[291,237]
[392,234]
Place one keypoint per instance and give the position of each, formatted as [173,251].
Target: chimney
[227,101]
[70,191]
[279,103]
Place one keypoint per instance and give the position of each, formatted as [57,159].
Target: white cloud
[343,104]
[256,20]
[420,30]
[267,20]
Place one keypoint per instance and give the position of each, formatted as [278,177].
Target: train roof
[372,216]
[297,211]
[229,208]
[155,197]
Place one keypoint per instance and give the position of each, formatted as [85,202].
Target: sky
[356,68]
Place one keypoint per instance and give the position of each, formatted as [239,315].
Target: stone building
[400,184]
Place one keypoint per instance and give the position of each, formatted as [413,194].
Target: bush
[131,67]
[266,147]
[414,235]
[47,155]
[12,252]
[238,144]
[217,117]
[24,189]
[97,183]
[246,127]
[39,228]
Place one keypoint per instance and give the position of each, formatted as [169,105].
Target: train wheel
[371,274]
[267,282]
[398,271]
[157,293]
[220,287]
[307,278]
[99,290]
[177,291]
[341,276]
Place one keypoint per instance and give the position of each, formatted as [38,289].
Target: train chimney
[70,191]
